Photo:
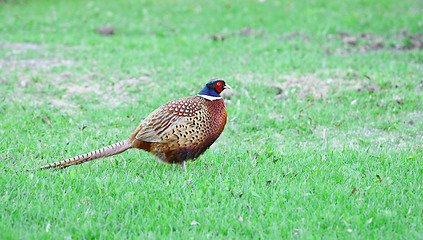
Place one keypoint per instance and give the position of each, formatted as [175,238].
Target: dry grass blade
[45,118]
[353,191]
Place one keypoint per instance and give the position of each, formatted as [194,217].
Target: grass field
[325,124]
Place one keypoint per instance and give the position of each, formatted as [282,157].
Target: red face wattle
[219,86]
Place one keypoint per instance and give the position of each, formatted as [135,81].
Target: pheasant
[178,131]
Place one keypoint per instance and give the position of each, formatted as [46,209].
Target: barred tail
[100,153]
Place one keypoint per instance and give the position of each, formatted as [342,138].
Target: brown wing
[165,119]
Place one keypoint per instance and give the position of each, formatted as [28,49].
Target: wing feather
[166,118]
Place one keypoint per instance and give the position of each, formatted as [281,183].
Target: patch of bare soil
[106,30]
[368,42]
[121,85]
[311,86]
[64,88]
[9,65]
[378,137]
[123,91]
[21,47]
[36,96]
[365,137]
[248,32]
[295,35]
[245,32]
[113,93]
[317,86]
[61,103]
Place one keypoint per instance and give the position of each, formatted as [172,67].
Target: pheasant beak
[226,87]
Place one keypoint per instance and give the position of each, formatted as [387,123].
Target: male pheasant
[178,131]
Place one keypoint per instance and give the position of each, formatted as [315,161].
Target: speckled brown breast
[181,129]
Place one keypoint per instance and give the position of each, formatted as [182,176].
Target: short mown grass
[325,122]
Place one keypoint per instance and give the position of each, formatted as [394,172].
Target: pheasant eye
[218,84]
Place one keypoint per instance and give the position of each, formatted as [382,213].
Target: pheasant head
[213,89]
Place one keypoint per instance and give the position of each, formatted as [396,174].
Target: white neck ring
[209,97]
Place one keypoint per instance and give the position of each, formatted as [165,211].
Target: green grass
[311,118]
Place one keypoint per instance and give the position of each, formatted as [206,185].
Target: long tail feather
[100,153]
